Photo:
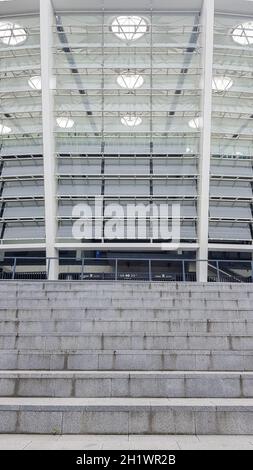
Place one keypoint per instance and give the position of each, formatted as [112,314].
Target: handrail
[223,272]
[105,258]
[139,268]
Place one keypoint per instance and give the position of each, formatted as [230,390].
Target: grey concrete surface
[117,326]
[115,384]
[124,442]
[173,360]
[126,358]
[108,341]
[126,416]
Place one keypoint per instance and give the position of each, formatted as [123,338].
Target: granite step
[139,384]
[126,415]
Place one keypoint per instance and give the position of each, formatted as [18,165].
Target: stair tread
[126,351]
[124,404]
[124,334]
[120,374]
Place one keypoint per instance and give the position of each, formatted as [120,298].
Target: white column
[207,28]
[48,85]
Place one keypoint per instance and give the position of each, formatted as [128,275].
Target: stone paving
[124,442]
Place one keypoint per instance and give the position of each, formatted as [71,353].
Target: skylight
[222,83]
[129,80]
[129,28]
[65,122]
[243,34]
[131,120]
[12,34]
[196,123]
[4,129]
[35,82]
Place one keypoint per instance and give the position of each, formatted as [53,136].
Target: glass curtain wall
[232,131]
[21,163]
[127,112]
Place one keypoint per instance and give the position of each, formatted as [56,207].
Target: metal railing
[125,269]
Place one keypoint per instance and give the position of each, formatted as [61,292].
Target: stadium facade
[145,101]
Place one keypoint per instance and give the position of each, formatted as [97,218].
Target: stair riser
[125,361]
[126,304]
[125,286]
[134,296]
[100,342]
[202,387]
[115,315]
[163,420]
[127,328]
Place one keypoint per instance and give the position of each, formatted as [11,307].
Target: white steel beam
[48,85]
[227,247]
[128,246]
[207,25]
[22,247]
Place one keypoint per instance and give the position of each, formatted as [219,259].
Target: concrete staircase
[122,358]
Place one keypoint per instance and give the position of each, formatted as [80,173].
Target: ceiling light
[221,84]
[243,34]
[131,120]
[4,129]
[129,80]
[12,34]
[35,82]
[129,28]
[196,123]
[65,122]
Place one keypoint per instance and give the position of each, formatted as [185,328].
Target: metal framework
[125,268]
[193,143]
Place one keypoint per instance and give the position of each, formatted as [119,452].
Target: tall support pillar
[48,85]
[207,35]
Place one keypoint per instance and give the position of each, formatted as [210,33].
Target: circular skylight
[4,129]
[35,82]
[129,80]
[243,34]
[65,122]
[129,28]
[196,123]
[12,34]
[131,120]
[222,83]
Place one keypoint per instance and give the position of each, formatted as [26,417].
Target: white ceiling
[133,5]
[31,6]
[243,7]
[18,7]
